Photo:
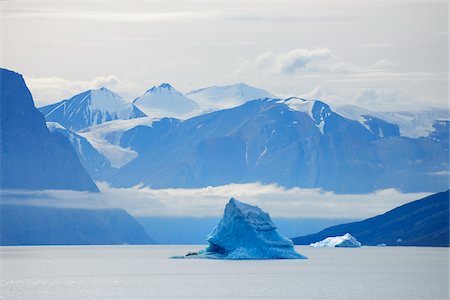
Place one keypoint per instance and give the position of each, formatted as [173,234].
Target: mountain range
[290,142]
[227,137]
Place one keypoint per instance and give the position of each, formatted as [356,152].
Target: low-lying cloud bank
[210,201]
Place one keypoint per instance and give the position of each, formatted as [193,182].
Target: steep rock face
[165,101]
[290,142]
[90,108]
[247,232]
[423,222]
[31,156]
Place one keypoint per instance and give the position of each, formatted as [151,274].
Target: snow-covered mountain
[89,108]
[95,163]
[411,124]
[291,142]
[227,96]
[166,101]
[31,156]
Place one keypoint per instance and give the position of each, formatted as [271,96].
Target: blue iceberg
[246,232]
[345,241]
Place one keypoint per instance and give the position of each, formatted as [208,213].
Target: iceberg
[245,232]
[345,241]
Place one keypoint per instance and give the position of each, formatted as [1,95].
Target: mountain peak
[89,108]
[163,87]
[102,89]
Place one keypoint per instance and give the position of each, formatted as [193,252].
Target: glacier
[345,241]
[246,232]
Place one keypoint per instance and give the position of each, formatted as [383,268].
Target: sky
[382,55]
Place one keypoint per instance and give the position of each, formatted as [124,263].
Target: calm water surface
[145,272]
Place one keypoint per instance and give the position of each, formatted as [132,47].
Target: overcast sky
[381,55]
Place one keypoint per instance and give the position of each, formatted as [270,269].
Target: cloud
[229,14]
[382,64]
[48,90]
[382,99]
[314,62]
[320,93]
[374,99]
[293,61]
[380,45]
[210,201]
[111,16]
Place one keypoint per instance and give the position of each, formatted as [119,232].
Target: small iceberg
[345,241]
[245,232]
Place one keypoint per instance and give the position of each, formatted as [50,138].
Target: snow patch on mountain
[317,110]
[300,104]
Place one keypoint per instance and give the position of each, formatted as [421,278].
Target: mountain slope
[423,222]
[40,225]
[289,142]
[31,156]
[228,96]
[93,161]
[165,101]
[90,108]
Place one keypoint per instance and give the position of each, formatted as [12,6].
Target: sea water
[146,272]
